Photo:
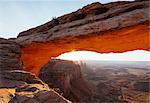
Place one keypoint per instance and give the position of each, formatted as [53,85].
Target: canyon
[119,81]
[28,70]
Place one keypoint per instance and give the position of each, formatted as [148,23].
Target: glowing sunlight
[136,55]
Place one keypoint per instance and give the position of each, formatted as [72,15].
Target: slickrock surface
[124,25]
[23,87]
[66,75]
[10,54]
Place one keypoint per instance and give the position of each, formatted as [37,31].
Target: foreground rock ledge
[23,87]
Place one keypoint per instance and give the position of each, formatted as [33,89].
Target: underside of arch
[35,55]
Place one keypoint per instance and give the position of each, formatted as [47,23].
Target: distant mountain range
[118,64]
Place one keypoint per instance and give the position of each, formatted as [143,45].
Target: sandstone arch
[131,38]
[122,28]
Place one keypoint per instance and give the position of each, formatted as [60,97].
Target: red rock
[125,26]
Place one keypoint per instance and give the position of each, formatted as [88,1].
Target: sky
[136,55]
[20,15]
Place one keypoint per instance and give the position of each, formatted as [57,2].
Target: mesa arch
[120,28]
[35,55]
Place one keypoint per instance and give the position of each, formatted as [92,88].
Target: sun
[77,55]
[136,55]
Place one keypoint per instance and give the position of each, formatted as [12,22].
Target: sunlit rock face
[19,87]
[112,27]
[66,75]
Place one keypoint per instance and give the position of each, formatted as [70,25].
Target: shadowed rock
[66,75]
[142,86]
[10,53]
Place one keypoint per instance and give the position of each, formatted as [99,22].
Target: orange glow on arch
[35,55]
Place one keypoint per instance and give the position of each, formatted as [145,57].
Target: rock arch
[131,38]
[121,28]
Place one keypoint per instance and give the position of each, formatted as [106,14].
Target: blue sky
[20,15]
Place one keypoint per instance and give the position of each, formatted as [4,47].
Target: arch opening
[135,55]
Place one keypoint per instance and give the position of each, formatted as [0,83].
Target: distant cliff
[67,76]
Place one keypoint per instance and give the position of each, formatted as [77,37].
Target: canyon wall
[10,54]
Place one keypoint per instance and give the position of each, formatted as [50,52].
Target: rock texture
[17,86]
[66,75]
[23,87]
[10,54]
[90,19]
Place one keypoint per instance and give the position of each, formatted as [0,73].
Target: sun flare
[136,55]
